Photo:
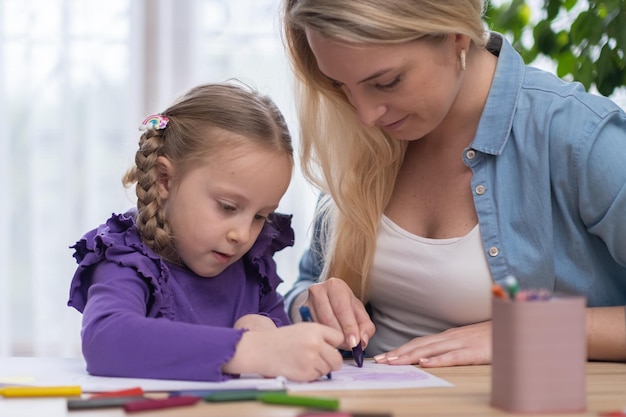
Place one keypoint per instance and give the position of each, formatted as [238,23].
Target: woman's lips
[395,125]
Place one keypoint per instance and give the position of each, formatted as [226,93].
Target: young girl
[184,286]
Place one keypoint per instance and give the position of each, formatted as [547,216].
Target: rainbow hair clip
[155,121]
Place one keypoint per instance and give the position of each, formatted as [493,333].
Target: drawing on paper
[372,376]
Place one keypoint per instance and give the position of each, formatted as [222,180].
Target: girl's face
[406,89]
[218,208]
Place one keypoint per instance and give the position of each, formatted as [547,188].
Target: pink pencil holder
[539,355]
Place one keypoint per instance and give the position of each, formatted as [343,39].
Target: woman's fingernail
[424,360]
[392,358]
[353,342]
[380,357]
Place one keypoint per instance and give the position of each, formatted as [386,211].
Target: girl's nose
[239,233]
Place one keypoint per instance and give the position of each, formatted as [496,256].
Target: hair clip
[155,121]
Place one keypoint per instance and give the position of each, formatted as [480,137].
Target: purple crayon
[357,354]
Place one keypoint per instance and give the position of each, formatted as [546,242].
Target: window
[77,77]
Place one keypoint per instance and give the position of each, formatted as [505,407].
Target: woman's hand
[299,352]
[334,304]
[254,322]
[467,345]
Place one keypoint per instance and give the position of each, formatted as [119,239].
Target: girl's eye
[336,84]
[227,207]
[261,217]
[388,85]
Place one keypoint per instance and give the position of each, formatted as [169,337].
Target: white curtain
[76,79]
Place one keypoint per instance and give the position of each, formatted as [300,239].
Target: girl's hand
[300,352]
[467,345]
[334,304]
[254,322]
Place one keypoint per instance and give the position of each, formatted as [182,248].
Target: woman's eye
[336,84]
[388,85]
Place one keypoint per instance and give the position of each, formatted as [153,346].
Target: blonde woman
[447,165]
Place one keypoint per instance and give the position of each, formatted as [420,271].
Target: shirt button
[493,251]
[470,154]
[480,189]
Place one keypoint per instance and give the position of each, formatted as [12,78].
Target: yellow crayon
[60,391]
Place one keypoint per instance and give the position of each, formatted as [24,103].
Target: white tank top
[421,286]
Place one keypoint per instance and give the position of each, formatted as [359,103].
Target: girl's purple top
[144,317]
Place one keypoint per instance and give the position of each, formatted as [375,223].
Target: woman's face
[406,89]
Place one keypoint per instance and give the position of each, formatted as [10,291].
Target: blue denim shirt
[549,185]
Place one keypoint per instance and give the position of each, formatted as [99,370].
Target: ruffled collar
[118,240]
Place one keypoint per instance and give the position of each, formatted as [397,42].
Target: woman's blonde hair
[356,166]
[194,132]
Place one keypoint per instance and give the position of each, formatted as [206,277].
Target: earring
[463,59]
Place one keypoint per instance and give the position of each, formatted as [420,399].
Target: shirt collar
[497,118]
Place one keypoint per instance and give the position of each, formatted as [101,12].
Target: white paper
[26,407]
[42,371]
[372,376]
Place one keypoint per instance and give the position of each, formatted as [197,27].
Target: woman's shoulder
[539,82]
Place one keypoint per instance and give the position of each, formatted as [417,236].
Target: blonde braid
[151,221]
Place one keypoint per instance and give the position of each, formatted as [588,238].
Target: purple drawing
[371,376]
[389,375]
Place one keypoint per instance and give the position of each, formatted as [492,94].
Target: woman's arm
[471,345]
[331,301]
[309,271]
[606,333]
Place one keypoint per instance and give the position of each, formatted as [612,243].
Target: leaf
[553,7]
[545,38]
[569,4]
[562,41]
[584,73]
[575,47]
[566,64]
[580,29]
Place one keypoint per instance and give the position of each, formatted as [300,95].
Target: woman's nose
[370,115]
[368,110]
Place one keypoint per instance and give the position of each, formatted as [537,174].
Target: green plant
[587,44]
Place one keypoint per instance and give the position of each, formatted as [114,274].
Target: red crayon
[128,392]
[157,404]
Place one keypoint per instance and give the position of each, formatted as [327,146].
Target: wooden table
[470,396]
